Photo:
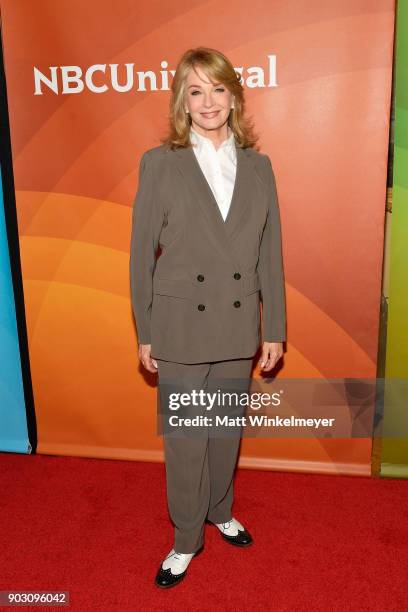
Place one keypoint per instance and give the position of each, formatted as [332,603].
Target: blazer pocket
[172,287]
[251,284]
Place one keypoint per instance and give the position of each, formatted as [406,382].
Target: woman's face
[209,104]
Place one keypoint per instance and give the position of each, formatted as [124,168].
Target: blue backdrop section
[13,423]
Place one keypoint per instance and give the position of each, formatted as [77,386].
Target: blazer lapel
[190,169]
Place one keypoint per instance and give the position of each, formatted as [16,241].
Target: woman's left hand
[271,353]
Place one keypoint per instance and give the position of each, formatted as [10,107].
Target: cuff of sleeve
[143,338]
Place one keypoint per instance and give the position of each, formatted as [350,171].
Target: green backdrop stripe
[401,138]
[394,455]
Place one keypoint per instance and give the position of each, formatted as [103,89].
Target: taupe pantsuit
[198,305]
[200,470]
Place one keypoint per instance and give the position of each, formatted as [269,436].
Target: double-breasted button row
[200,278]
[237,304]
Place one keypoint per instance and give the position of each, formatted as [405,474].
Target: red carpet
[99,528]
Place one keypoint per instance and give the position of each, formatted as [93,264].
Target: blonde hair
[219,69]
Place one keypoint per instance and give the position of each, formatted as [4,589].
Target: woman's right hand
[144,356]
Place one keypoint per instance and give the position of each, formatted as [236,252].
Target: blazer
[199,300]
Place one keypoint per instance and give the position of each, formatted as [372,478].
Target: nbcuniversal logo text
[100,78]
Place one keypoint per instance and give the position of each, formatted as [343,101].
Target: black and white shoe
[174,568]
[235,533]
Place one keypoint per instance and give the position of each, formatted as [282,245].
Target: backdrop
[88,87]
[13,424]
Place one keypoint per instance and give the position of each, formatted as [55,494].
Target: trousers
[200,467]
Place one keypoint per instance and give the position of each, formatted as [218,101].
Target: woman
[209,200]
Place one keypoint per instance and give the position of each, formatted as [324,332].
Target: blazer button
[201,307]
[237,304]
[237,276]
[200,278]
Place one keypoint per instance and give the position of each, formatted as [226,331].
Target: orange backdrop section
[76,156]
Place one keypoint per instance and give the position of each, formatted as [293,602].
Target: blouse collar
[202,141]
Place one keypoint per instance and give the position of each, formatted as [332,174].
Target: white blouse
[218,165]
